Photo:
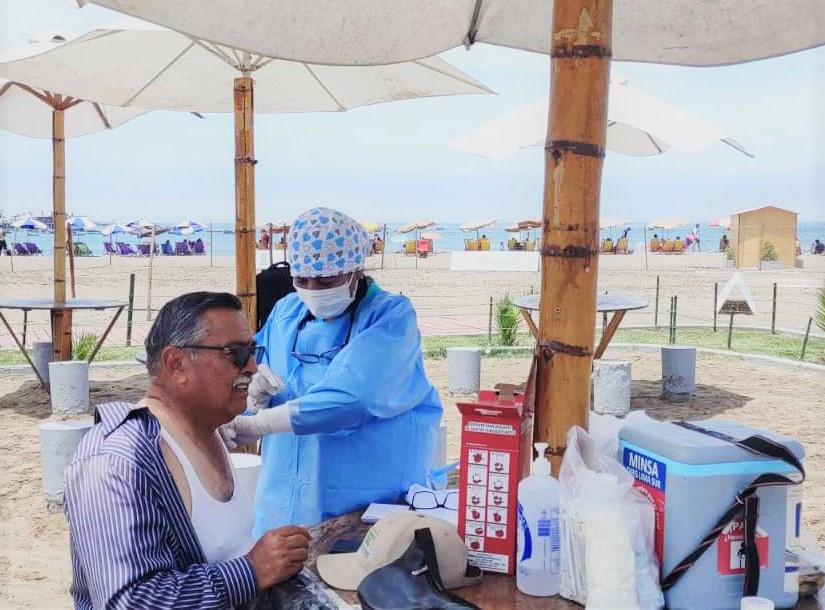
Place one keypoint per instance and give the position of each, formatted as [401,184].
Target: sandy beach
[34,556]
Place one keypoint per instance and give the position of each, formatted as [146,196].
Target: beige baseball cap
[387,540]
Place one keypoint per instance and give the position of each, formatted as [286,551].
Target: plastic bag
[607,555]
[811,568]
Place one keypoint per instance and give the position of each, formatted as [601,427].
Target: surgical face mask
[328,302]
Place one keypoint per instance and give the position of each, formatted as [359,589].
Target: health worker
[349,417]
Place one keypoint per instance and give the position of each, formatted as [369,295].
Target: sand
[35,569]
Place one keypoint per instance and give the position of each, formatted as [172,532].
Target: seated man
[154,521]
[678,245]
[724,242]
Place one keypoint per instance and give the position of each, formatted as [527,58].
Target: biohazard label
[730,544]
[651,480]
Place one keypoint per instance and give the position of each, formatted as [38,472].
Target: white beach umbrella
[637,125]
[611,223]
[43,112]
[477,224]
[114,228]
[384,31]
[30,223]
[81,223]
[416,225]
[583,37]
[134,63]
[194,225]
[672,222]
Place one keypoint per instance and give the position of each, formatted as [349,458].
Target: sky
[391,163]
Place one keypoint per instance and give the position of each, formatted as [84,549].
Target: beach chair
[678,246]
[470,244]
[409,247]
[167,249]
[32,248]
[198,248]
[125,249]
[424,247]
[81,249]
[667,246]
[21,249]
[182,248]
[655,244]
[109,249]
[529,245]
[511,243]
[607,245]
[484,244]
[621,246]
[143,249]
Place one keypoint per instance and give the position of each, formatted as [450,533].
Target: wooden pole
[245,197]
[574,152]
[70,250]
[61,318]
[149,276]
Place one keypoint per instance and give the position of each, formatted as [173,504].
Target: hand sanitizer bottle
[539,539]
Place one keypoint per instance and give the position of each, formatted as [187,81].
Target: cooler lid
[690,447]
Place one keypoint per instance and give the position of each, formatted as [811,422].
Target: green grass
[744,341]
[13,356]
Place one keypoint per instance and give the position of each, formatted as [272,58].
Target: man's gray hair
[179,322]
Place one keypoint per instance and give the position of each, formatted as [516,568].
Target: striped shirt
[132,542]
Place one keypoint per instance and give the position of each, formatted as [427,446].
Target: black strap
[746,503]
[424,539]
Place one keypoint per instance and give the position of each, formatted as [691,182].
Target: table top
[49,303]
[605,303]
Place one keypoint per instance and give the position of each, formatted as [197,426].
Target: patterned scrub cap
[324,242]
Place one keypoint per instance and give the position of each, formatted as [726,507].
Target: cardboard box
[496,453]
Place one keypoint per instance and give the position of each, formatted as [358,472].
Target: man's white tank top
[224,529]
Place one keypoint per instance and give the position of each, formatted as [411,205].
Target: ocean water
[221,241]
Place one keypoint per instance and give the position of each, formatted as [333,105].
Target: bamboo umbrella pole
[61,318]
[244,197]
[149,276]
[574,152]
[70,250]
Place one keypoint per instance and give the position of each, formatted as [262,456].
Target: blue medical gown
[367,423]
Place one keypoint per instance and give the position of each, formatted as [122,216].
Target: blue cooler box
[692,478]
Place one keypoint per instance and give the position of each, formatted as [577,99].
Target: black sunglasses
[327,355]
[239,353]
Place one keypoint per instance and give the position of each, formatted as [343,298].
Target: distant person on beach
[154,521]
[265,239]
[817,247]
[3,244]
[724,243]
[798,247]
[692,240]
[349,416]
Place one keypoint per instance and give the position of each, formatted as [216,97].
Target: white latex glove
[264,385]
[247,429]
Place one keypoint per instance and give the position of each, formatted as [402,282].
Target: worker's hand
[279,554]
[264,385]
[248,429]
